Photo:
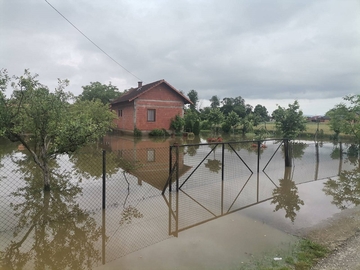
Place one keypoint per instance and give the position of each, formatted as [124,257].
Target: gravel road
[341,234]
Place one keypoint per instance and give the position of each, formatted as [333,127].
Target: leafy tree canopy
[290,121]
[262,112]
[215,102]
[193,96]
[346,118]
[96,90]
[45,122]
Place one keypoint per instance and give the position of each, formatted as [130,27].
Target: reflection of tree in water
[52,231]
[213,165]
[88,162]
[345,190]
[286,197]
[298,149]
[353,155]
[129,212]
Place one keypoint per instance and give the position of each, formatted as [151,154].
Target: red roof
[134,93]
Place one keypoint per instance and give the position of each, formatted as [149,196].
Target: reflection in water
[345,190]
[286,196]
[213,165]
[51,230]
[87,162]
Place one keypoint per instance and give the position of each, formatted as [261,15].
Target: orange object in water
[21,147]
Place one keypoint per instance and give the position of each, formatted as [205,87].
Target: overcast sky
[268,52]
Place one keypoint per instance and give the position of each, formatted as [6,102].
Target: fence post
[258,155]
[222,161]
[170,167]
[177,167]
[287,153]
[104,179]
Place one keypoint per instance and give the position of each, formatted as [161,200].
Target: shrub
[226,127]
[205,125]
[137,132]
[196,130]
[177,123]
[157,132]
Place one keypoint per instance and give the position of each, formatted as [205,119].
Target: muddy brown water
[208,224]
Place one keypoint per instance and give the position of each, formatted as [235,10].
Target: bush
[226,127]
[205,125]
[196,130]
[137,132]
[177,123]
[157,133]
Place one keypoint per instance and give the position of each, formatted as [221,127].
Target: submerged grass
[299,256]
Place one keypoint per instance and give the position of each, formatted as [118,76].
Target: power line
[92,41]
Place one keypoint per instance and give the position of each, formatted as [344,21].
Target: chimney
[139,84]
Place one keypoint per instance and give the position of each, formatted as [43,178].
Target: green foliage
[205,125]
[215,117]
[346,118]
[96,90]
[137,132]
[215,102]
[193,96]
[46,123]
[301,255]
[262,113]
[233,119]
[196,129]
[190,118]
[157,133]
[177,123]
[290,122]
[226,127]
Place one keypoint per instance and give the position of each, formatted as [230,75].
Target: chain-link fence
[42,228]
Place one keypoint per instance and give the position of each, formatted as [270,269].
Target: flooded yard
[235,201]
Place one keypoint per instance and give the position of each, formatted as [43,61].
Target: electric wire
[92,41]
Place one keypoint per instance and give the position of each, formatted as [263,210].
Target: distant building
[318,118]
[148,107]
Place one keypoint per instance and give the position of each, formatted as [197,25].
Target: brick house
[148,107]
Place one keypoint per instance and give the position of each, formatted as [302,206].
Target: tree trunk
[46,178]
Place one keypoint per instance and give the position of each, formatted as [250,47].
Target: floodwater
[235,202]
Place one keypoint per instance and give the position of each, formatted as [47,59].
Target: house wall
[125,122]
[166,103]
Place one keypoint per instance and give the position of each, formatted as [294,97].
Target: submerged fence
[128,183]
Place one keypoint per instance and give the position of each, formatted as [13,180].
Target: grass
[299,256]
[311,127]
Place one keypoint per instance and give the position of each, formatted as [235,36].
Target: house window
[151,115]
[151,155]
[120,113]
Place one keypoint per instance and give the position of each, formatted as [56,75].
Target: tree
[215,117]
[215,102]
[193,96]
[177,123]
[345,118]
[233,119]
[46,123]
[96,90]
[190,118]
[290,122]
[262,112]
